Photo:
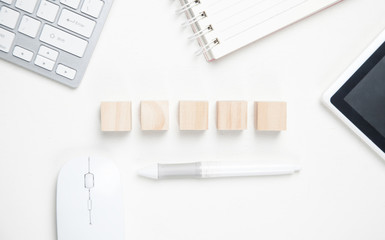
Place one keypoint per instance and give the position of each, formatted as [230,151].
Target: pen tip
[297,168]
[150,171]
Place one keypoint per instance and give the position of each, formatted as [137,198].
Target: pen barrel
[236,169]
[181,170]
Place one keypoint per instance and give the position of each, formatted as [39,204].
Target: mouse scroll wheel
[89,180]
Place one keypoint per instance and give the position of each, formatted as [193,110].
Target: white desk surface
[143,54]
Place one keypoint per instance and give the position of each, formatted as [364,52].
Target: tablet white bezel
[345,76]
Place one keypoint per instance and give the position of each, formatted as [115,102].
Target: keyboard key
[71,3]
[7,1]
[22,53]
[44,62]
[76,23]
[63,40]
[6,40]
[26,5]
[47,11]
[65,71]
[92,7]
[48,53]
[29,26]
[8,17]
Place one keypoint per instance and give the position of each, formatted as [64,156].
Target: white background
[143,54]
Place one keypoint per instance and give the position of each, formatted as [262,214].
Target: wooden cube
[231,115]
[115,116]
[270,116]
[154,115]
[193,115]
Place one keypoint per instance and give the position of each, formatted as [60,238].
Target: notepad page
[237,23]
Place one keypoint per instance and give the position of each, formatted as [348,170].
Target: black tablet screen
[362,98]
[368,97]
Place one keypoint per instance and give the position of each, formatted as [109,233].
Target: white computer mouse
[89,204]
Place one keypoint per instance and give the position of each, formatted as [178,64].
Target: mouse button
[89,180]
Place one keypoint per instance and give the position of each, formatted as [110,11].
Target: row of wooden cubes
[194,115]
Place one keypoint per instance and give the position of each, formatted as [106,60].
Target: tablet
[358,96]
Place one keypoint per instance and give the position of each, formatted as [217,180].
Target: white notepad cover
[237,23]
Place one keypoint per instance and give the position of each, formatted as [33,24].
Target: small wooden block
[154,115]
[193,115]
[231,115]
[115,116]
[270,116]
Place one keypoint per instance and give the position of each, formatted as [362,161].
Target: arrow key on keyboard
[48,53]
[22,53]
[65,71]
[44,62]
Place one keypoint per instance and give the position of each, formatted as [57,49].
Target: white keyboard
[54,38]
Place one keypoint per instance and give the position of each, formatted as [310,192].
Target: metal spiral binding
[195,19]
[204,49]
[207,47]
[202,32]
[188,6]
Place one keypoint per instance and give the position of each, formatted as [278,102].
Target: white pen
[214,169]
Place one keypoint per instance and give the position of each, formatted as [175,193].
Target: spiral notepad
[223,26]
